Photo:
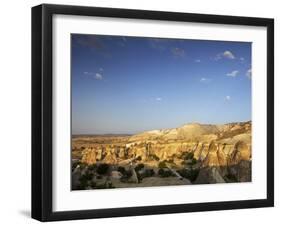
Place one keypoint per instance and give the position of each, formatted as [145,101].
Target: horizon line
[130,134]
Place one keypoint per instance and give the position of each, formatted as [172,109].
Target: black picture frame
[42,111]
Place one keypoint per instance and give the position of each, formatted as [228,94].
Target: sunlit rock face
[212,144]
[241,152]
[89,156]
[205,153]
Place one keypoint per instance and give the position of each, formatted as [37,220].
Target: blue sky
[133,84]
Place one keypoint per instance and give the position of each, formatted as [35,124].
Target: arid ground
[191,154]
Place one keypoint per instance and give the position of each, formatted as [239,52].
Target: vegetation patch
[92,167]
[190,174]
[146,173]
[103,168]
[121,169]
[230,178]
[162,165]
[139,167]
[126,175]
[187,155]
[85,180]
[165,172]
[104,185]
[155,157]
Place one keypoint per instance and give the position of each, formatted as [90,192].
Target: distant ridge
[103,135]
[192,131]
[186,131]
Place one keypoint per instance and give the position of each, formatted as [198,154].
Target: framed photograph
[145,112]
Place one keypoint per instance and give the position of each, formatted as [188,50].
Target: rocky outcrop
[89,156]
[241,152]
[217,153]
[239,162]
[213,153]
[209,175]
[241,171]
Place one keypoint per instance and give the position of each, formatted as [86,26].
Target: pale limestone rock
[116,174]
[89,156]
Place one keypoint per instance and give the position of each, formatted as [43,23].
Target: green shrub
[192,162]
[87,176]
[121,169]
[138,158]
[92,167]
[82,165]
[170,161]
[155,157]
[102,168]
[165,173]
[160,171]
[126,175]
[162,165]
[145,173]
[139,167]
[187,155]
[190,174]
[139,176]
[149,173]
[230,178]
[84,180]
[193,174]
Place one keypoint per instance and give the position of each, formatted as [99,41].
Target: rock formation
[89,156]
[220,153]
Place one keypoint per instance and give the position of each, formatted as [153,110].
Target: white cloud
[98,76]
[225,55]
[157,43]
[227,98]
[197,61]
[205,80]
[232,74]
[242,58]
[249,73]
[158,98]
[229,55]
[87,73]
[178,52]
